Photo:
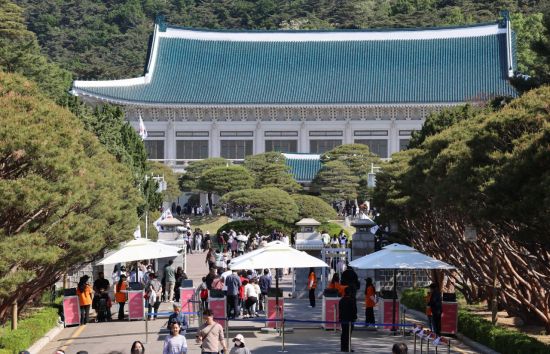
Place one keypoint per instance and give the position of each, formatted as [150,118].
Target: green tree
[188,181]
[225,179]
[357,157]
[64,197]
[310,206]
[20,53]
[265,205]
[335,182]
[270,170]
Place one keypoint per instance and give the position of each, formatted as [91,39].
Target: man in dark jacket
[347,310]
[350,278]
[436,307]
[265,285]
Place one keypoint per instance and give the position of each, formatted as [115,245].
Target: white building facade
[232,94]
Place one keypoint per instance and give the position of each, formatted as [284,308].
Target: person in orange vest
[335,284]
[427,298]
[84,292]
[311,285]
[121,295]
[370,301]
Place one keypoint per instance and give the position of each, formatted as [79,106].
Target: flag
[142,130]
[137,233]
[167,214]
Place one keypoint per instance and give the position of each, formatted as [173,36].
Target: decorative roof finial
[159,20]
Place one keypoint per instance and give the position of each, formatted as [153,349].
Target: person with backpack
[203,293]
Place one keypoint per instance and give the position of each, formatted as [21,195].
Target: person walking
[347,311]
[121,295]
[399,348]
[137,348]
[84,292]
[175,343]
[210,335]
[239,347]
[170,275]
[370,301]
[153,290]
[436,306]
[265,285]
[311,285]
[233,283]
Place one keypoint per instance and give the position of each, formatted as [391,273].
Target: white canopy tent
[139,249]
[397,256]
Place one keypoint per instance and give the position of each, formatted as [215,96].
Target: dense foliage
[310,206]
[109,39]
[488,170]
[62,193]
[270,170]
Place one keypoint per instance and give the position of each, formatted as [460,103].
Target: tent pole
[394,295]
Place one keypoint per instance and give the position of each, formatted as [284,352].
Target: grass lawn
[349,229]
[207,223]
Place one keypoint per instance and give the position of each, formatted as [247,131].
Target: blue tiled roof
[303,170]
[196,71]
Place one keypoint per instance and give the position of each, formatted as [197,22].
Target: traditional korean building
[236,93]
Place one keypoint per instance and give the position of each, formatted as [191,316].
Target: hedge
[29,330]
[503,340]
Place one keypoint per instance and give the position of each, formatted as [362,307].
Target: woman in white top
[251,293]
[175,343]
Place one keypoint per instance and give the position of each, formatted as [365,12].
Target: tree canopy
[335,182]
[310,206]
[64,197]
[270,170]
[188,181]
[225,179]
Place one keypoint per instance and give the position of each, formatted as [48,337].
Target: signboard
[217,305]
[385,310]
[135,305]
[449,317]
[71,310]
[186,295]
[272,312]
[330,312]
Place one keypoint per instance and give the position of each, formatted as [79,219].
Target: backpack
[204,294]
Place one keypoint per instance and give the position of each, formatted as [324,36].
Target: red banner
[135,305]
[186,294]
[71,310]
[331,312]
[449,317]
[272,312]
[217,305]
[385,312]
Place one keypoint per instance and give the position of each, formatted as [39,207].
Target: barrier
[385,312]
[449,317]
[71,310]
[136,305]
[186,296]
[274,312]
[429,337]
[330,312]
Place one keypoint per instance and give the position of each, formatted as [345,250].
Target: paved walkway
[117,336]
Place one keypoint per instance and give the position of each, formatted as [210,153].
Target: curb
[44,340]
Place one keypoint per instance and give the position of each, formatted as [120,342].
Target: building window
[236,133]
[280,133]
[376,146]
[155,149]
[406,132]
[326,133]
[155,134]
[191,149]
[404,144]
[370,133]
[322,146]
[235,149]
[187,134]
[281,145]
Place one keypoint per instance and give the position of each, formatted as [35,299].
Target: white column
[348,134]
[259,144]
[214,140]
[393,136]
[170,139]
[303,145]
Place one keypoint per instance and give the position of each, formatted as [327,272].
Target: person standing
[311,285]
[265,285]
[347,311]
[350,279]
[233,283]
[84,292]
[427,298]
[170,276]
[436,306]
[153,289]
[175,343]
[121,294]
[370,301]
[210,335]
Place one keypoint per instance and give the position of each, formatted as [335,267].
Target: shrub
[29,330]
[414,299]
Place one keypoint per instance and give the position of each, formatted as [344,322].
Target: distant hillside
[109,38]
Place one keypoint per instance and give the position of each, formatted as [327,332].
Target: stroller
[103,307]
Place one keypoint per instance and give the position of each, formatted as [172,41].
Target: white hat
[239,337]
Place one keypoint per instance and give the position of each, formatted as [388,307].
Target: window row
[238,149]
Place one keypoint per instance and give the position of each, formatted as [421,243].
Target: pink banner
[272,312]
[331,312]
[71,310]
[217,305]
[387,312]
[449,317]
[186,294]
[135,305]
